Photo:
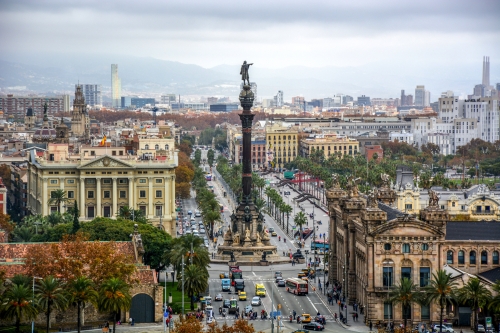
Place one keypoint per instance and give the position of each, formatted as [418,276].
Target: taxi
[242,296]
[224,275]
[301,275]
[301,331]
[306,318]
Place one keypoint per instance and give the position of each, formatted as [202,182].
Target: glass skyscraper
[116,87]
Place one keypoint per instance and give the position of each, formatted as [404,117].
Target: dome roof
[45,134]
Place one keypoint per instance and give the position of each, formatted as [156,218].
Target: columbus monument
[246,240]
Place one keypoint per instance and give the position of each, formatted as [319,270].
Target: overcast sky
[271,33]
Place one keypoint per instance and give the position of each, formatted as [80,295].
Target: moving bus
[320,245]
[296,286]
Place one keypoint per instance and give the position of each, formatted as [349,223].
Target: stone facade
[374,246]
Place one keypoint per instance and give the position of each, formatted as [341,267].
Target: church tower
[80,123]
[29,119]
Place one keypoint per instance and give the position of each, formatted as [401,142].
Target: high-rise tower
[486,71]
[116,87]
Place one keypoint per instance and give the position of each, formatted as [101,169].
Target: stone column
[115,198]
[45,197]
[172,198]
[167,214]
[246,99]
[150,198]
[98,197]
[131,193]
[82,198]
[61,183]
[370,266]
[333,271]
[352,264]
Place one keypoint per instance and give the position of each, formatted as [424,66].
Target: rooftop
[484,231]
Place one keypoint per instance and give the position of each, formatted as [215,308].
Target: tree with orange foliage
[5,223]
[192,325]
[75,256]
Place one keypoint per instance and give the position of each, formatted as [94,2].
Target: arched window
[449,257]
[461,257]
[166,147]
[406,248]
[484,258]
[495,257]
[157,147]
[472,257]
[146,147]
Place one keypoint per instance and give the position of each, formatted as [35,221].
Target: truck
[226,285]
[233,306]
[260,290]
[239,285]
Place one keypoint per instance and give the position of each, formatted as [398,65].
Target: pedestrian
[327,284]
[353,317]
[371,325]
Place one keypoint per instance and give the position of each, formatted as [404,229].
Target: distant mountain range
[150,77]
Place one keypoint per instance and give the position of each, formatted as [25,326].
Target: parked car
[314,326]
[480,329]
[256,301]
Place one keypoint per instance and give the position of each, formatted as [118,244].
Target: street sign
[488,322]
[165,314]
[275,313]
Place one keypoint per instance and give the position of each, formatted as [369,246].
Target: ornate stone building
[102,180]
[374,246]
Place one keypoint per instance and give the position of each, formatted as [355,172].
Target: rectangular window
[158,210]
[142,194]
[388,310]
[123,181]
[408,206]
[406,273]
[425,311]
[70,181]
[158,194]
[158,180]
[90,181]
[142,181]
[143,210]
[425,274]
[71,195]
[123,194]
[90,194]
[106,181]
[387,277]
[107,194]
[53,181]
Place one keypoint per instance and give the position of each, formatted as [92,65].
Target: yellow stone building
[330,144]
[102,180]
[282,144]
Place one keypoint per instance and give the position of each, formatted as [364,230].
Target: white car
[196,233]
[448,329]
[256,301]
[210,320]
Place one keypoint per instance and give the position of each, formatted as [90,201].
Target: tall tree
[18,304]
[49,294]
[442,290]
[76,221]
[300,220]
[406,294]
[476,295]
[57,197]
[195,282]
[287,209]
[81,291]
[114,296]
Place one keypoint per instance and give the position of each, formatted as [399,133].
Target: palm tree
[114,296]
[18,304]
[82,291]
[495,303]
[50,293]
[195,282]
[267,192]
[475,294]
[287,209]
[22,234]
[57,197]
[406,294]
[442,290]
[300,220]
[259,204]
[54,219]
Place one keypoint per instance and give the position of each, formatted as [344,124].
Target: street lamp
[33,302]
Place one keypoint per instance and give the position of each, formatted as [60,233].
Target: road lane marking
[312,303]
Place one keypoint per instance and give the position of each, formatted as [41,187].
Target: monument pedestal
[264,263]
